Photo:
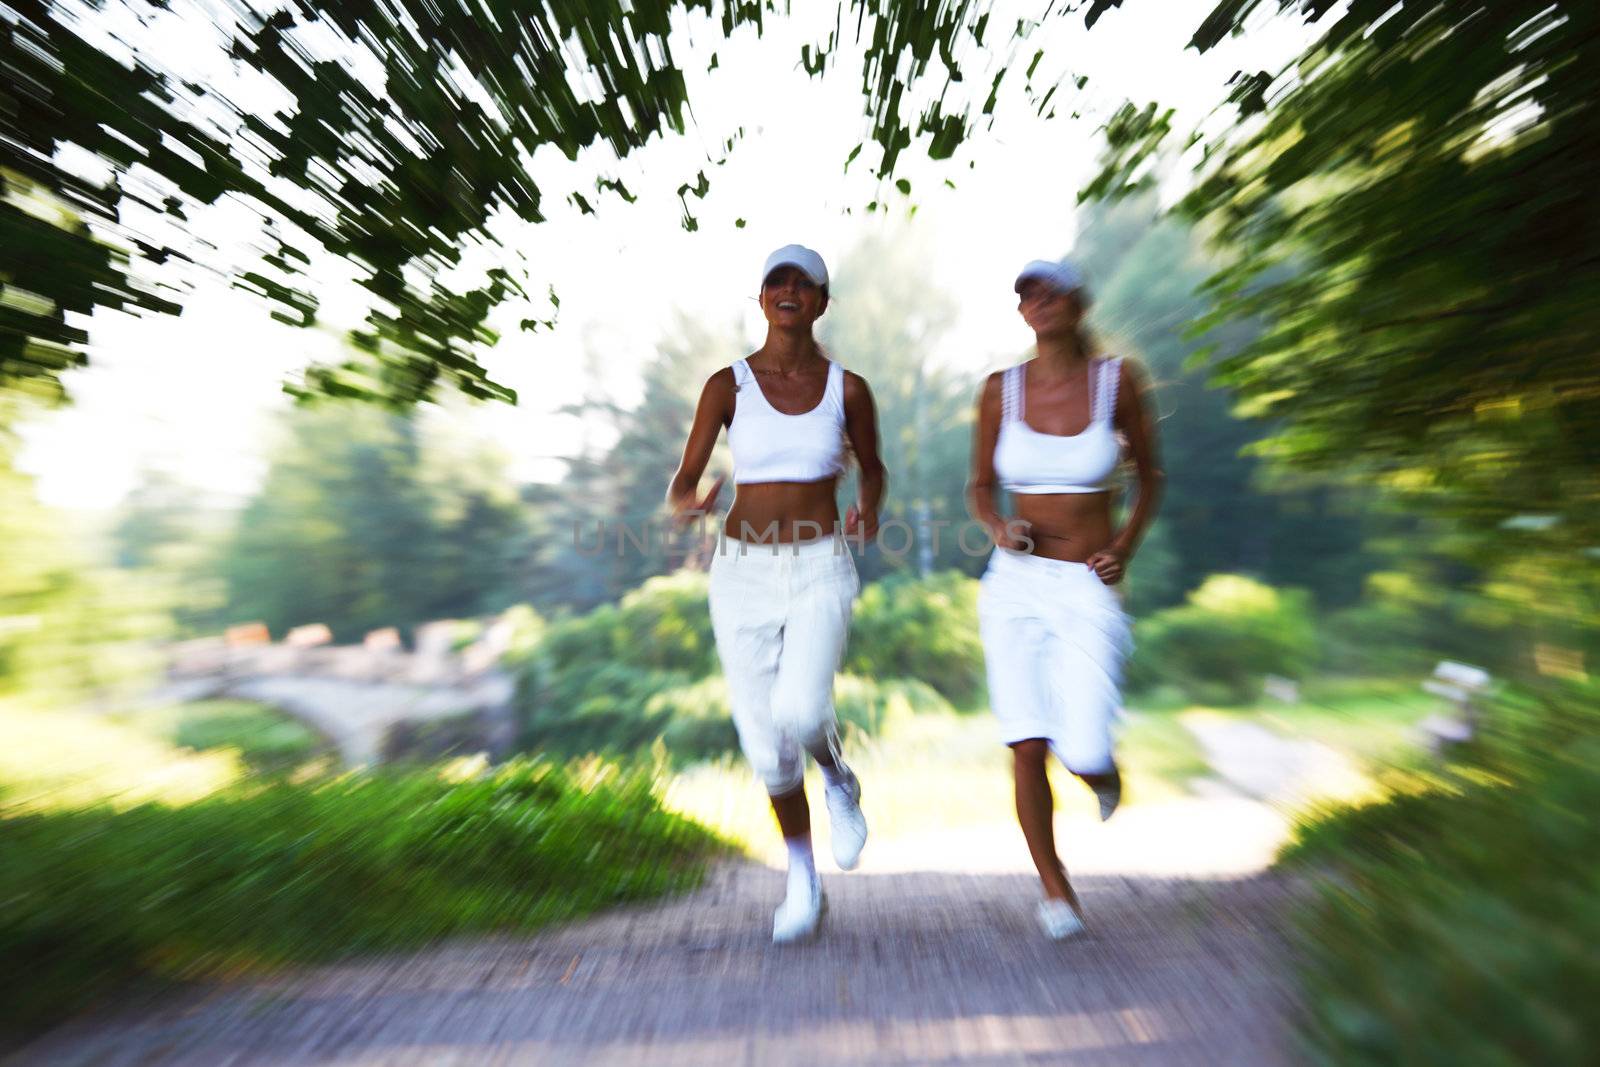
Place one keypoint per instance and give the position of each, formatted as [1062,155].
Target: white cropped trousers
[1054,640]
[781,613]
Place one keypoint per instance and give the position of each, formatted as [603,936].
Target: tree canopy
[367,520]
[1410,217]
[389,134]
[1406,208]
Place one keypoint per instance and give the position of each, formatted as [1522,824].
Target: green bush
[1406,623]
[875,707]
[616,679]
[663,625]
[1218,645]
[279,873]
[1376,639]
[586,685]
[699,722]
[924,628]
[595,708]
[1458,924]
[269,741]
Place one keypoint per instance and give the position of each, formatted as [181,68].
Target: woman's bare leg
[794,814]
[797,917]
[1036,814]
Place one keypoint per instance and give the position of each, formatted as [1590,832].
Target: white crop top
[770,446]
[1027,461]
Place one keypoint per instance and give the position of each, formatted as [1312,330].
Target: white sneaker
[848,825]
[1059,920]
[800,914]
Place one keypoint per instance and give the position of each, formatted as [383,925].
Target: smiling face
[791,300]
[1047,310]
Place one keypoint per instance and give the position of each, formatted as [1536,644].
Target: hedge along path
[929,955]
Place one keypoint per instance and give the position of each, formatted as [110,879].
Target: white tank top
[1028,461]
[770,446]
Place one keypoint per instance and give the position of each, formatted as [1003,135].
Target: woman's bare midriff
[1069,526]
[783,512]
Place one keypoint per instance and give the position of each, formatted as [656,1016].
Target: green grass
[941,769]
[185,867]
[267,740]
[1457,921]
[934,770]
[1159,757]
[53,760]
[938,770]
[1372,721]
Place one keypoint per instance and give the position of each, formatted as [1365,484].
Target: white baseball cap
[1063,276]
[800,256]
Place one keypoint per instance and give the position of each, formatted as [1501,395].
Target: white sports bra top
[1028,461]
[770,446]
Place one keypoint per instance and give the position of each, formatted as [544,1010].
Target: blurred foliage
[57,759]
[1375,723]
[1218,646]
[255,877]
[620,677]
[878,706]
[174,538]
[366,519]
[1410,618]
[926,628]
[391,136]
[589,684]
[1485,874]
[1222,507]
[885,324]
[68,630]
[601,527]
[268,741]
[1228,509]
[1408,216]
[697,721]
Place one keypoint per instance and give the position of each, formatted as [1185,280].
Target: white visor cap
[800,256]
[1063,277]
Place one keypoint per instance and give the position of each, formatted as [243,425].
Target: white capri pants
[781,613]
[1054,640]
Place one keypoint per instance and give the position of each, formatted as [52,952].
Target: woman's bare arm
[981,486]
[861,426]
[714,411]
[1133,418]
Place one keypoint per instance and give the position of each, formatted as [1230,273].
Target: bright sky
[195,395]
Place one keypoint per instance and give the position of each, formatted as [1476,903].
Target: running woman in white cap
[1052,432]
[783,581]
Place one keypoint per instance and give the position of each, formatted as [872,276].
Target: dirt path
[937,966]
[1257,762]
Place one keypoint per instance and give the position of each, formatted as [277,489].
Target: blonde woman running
[1052,432]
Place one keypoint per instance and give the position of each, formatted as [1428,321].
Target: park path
[938,968]
[1253,761]
[929,956]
